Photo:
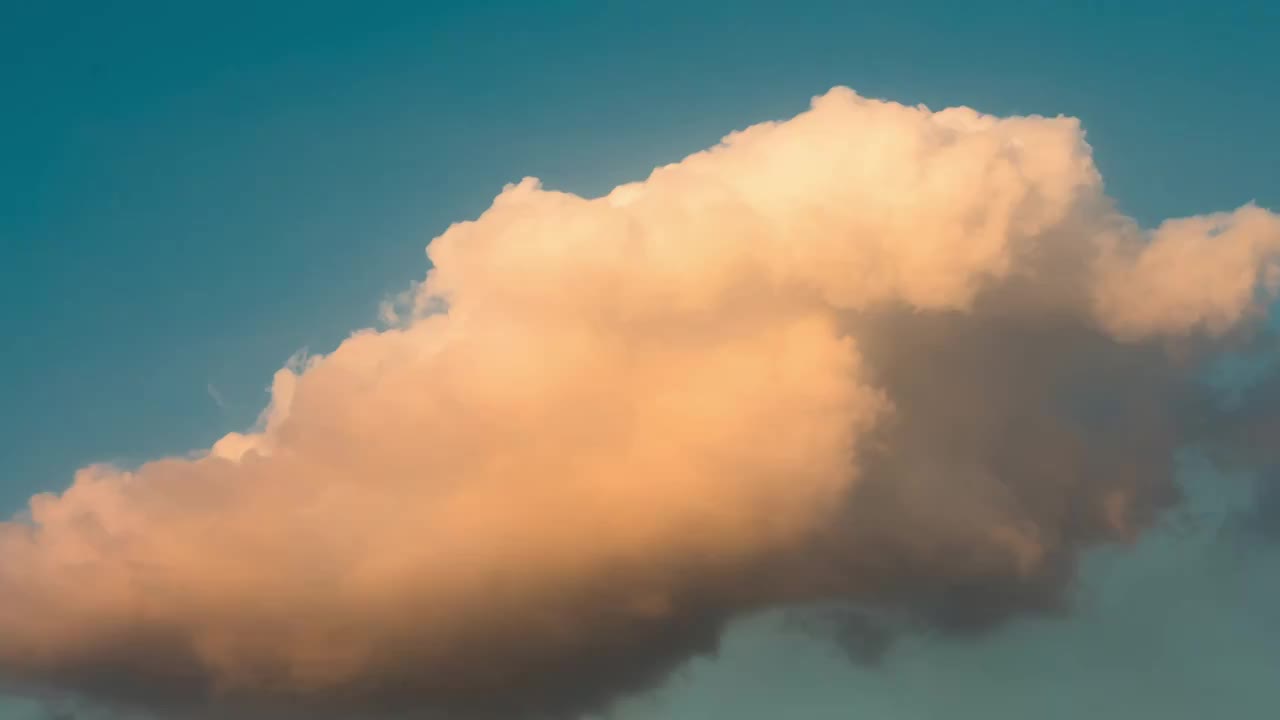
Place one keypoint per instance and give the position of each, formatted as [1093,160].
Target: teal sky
[192,192]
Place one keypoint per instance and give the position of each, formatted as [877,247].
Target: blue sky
[191,193]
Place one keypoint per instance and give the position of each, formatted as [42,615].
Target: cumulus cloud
[873,354]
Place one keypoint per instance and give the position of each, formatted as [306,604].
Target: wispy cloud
[216,396]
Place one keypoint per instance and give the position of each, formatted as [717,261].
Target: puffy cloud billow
[909,361]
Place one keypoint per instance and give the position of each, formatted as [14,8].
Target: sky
[190,196]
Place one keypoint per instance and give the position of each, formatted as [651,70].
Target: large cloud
[909,359]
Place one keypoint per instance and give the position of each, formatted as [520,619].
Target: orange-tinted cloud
[837,357]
